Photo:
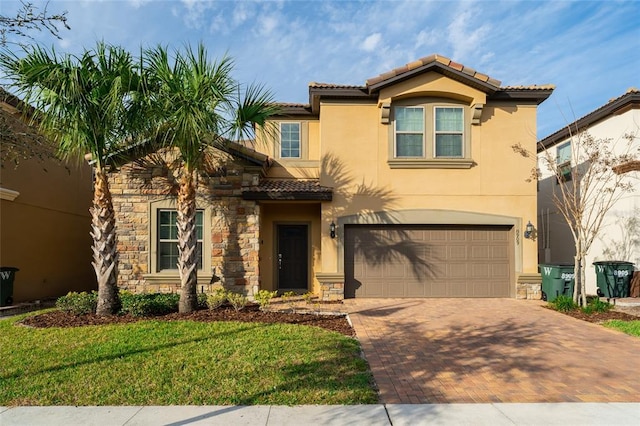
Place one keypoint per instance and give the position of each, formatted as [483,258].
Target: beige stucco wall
[45,229]
[288,213]
[354,160]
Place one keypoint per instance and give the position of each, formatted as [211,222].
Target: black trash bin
[557,280]
[613,278]
[7,275]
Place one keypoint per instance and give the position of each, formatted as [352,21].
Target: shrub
[217,298]
[78,303]
[563,303]
[237,300]
[308,297]
[143,305]
[596,305]
[263,298]
[202,301]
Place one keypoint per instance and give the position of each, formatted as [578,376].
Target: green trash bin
[613,278]
[557,280]
[7,275]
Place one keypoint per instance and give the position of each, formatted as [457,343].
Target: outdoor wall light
[332,229]
[528,230]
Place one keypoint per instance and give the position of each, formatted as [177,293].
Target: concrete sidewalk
[390,414]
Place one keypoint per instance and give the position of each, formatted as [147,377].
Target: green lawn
[629,327]
[180,363]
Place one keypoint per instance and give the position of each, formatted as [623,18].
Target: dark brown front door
[292,256]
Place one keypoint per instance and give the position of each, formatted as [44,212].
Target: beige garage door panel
[428,261]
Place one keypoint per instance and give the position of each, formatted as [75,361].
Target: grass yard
[180,363]
[629,327]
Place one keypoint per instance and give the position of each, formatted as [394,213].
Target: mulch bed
[600,317]
[250,313]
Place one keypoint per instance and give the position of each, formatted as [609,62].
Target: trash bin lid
[9,268]
[613,262]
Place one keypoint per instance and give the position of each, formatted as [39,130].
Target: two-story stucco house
[407,186]
[44,211]
[619,237]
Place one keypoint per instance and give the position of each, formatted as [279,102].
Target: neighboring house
[407,186]
[619,237]
[44,211]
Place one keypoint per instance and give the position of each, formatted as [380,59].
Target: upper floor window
[409,123]
[449,132]
[430,133]
[168,239]
[563,160]
[289,140]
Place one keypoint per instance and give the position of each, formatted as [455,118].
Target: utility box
[557,280]
[613,278]
[7,275]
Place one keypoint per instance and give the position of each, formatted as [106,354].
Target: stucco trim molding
[8,194]
[529,278]
[449,163]
[329,276]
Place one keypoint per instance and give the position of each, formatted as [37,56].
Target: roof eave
[527,96]
[622,104]
[343,93]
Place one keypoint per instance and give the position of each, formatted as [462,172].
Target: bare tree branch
[30,18]
[588,187]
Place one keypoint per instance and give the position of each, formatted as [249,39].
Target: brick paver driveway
[492,350]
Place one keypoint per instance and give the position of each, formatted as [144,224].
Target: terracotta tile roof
[530,87]
[288,189]
[290,185]
[432,59]
[334,86]
[291,105]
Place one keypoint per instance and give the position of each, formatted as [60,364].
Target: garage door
[428,261]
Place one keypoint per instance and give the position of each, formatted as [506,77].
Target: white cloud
[371,43]
[466,36]
[242,12]
[138,3]
[267,24]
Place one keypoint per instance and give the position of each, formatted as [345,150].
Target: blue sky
[590,50]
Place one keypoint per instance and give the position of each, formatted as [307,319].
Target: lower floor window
[168,239]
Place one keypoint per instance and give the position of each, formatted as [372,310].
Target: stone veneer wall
[331,286]
[529,287]
[235,228]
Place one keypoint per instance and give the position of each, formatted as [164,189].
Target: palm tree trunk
[187,243]
[105,257]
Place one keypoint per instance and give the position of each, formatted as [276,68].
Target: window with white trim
[290,140]
[168,239]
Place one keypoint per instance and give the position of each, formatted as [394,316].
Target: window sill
[435,163]
[174,278]
[298,162]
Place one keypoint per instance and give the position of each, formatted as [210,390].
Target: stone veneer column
[331,286]
[529,287]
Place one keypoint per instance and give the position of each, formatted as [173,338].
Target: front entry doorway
[292,256]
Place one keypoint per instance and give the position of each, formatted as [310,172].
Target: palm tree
[81,103]
[195,104]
